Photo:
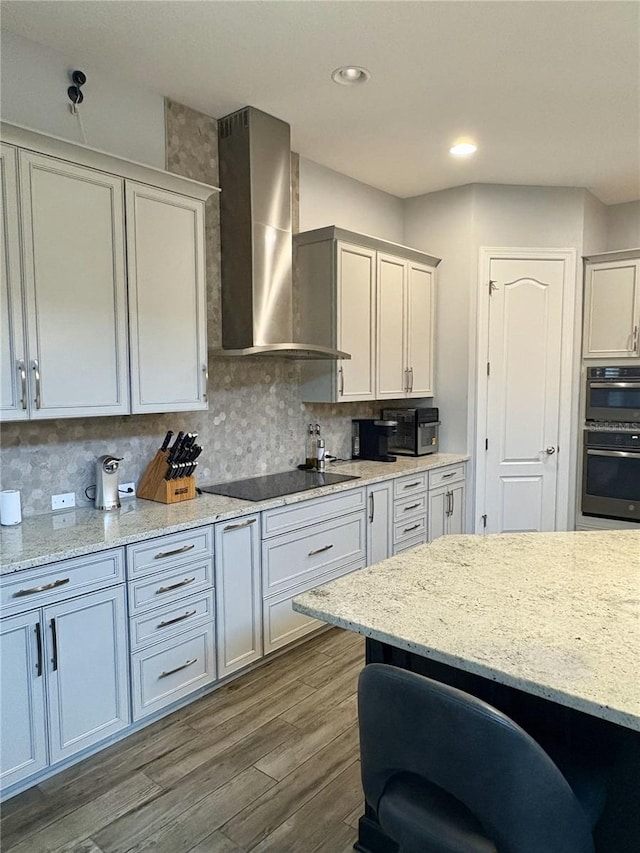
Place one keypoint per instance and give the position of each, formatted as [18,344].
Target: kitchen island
[545,626]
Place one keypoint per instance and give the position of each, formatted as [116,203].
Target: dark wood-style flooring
[268,762]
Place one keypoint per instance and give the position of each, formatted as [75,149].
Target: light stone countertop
[554,614]
[43,539]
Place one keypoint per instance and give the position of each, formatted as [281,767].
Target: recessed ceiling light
[349,75]
[463,149]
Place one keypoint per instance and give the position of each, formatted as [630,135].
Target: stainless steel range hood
[255,231]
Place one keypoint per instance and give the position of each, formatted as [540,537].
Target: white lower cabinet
[64,675]
[379,522]
[238,596]
[171,618]
[446,502]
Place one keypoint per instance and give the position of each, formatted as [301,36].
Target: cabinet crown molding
[332,232]
[94,158]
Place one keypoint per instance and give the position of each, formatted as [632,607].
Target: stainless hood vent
[255,231]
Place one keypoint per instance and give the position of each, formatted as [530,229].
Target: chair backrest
[409,723]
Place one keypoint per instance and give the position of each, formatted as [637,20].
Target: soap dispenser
[107,482]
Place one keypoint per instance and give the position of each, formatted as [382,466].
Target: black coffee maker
[370,439]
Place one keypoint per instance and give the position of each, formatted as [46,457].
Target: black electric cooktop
[275,485]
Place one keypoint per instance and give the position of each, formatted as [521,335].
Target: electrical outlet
[127,490]
[65,501]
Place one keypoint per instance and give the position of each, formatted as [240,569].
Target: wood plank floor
[267,763]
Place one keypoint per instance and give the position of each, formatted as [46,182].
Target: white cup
[10,512]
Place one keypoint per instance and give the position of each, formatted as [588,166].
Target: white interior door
[523,384]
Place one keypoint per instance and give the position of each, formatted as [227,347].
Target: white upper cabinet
[612,309]
[13,356]
[71,261]
[373,299]
[75,291]
[167,300]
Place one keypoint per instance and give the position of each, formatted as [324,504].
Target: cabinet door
[356,272]
[456,509]
[88,689]
[238,598]
[74,269]
[612,308]
[379,522]
[22,717]
[13,382]
[391,371]
[167,300]
[420,327]
[437,513]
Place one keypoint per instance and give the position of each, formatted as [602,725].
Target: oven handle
[614,384]
[612,453]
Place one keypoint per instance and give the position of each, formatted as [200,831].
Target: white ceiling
[550,91]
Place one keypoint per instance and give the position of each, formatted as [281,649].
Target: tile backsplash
[256,422]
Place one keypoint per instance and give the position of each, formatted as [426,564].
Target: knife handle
[175,447]
[166,441]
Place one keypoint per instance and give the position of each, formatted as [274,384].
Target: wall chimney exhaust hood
[255,231]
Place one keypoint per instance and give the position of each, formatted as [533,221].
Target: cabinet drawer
[156,554]
[289,518]
[444,476]
[291,559]
[407,545]
[170,586]
[169,671]
[412,528]
[410,507]
[172,619]
[32,588]
[409,485]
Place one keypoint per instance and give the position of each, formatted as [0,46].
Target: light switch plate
[65,501]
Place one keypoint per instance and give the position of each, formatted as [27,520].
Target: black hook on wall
[75,95]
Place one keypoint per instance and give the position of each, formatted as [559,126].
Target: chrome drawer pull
[42,588]
[413,506]
[185,582]
[23,383]
[238,526]
[409,529]
[163,554]
[177,619]
[411,485]
[177,669]
[320,550]
[446,476]
[36,373]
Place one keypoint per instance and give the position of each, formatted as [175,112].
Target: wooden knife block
[154,487]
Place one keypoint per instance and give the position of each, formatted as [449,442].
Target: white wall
[118,116]
[594,234]
[329,198]
[623,226]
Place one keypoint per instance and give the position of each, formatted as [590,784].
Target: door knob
[550,451]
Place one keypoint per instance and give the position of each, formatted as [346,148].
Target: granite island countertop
[553,614]
[43,539]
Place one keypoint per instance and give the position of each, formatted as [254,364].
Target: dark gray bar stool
[447,773]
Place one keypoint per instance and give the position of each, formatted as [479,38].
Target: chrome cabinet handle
[372,507]
[411,375]
[162,554]
[453,502]
[39,647]
[185,582]
[409,529]
[446,508]
[42,588]
[54,637]
[320,550]
[634,339]
[23,383]
[341,375]
[446,476]
[184,616]
[411,506]
[36,373]
[406,380]
[242,524]
[205,372]
[411,485]
[178,668]
[549,451]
